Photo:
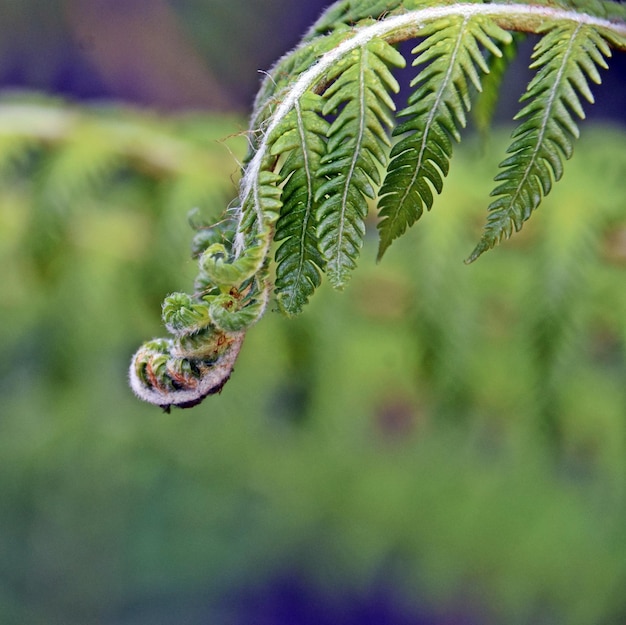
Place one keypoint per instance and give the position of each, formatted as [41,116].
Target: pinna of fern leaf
[358,146]
[566,57]
[301,141]
[452,56]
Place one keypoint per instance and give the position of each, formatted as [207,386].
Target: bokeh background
[438,445]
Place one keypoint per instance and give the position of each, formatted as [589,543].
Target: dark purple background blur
[185,54]
[177,54]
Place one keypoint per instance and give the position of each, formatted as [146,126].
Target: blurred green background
[439,444]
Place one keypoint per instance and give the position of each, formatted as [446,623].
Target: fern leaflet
[357,147]
[436,112]
[348,12]
[566,57]
[302,136]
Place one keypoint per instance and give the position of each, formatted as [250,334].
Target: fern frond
[437,111]
[320,147]
[566,57]
[208,327]
[357,147]
[302,137]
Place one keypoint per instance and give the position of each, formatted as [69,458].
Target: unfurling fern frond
[566,57]
[436,113]
[320,153]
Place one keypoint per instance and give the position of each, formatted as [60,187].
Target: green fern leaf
[302,137]
[357,147]
[436,112]
[566,58]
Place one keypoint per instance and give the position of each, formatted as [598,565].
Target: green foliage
[321,153]
[73,155]
[485,106]
[427,461]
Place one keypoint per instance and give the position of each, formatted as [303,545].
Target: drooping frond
[357,150]
[320,153]
[566,57]
[452,56]
[302,138]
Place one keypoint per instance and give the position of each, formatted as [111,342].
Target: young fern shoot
[322,151]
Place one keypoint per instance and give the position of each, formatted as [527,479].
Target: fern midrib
[309,206]
[431,117]
[355,156]
[546,116]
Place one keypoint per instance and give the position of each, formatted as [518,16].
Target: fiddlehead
[321,152]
